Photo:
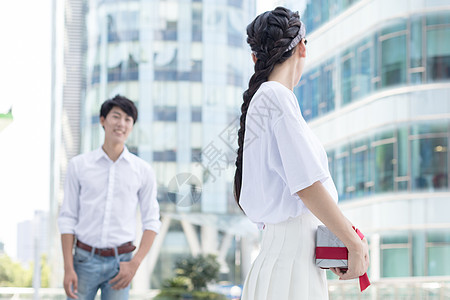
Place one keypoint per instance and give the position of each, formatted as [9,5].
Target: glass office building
[376,90]
[185,64]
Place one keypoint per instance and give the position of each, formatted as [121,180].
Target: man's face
[117,125]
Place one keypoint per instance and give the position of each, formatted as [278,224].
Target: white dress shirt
[101,198]
[281,156]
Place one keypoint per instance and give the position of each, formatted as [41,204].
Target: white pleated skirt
[284,268]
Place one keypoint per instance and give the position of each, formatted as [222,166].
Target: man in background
[102,191]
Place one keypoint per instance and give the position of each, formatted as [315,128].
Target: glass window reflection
[384,165]
[429,157]
[123,26]
[393,60]
[437,248]
[347,76]
[410,158]
[364,68]
[403,51]
[438,53]
[327,82]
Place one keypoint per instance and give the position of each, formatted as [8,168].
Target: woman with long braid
[282,181]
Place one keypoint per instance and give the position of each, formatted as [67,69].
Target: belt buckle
[104,252]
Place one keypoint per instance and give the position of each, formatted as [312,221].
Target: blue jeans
[94,272]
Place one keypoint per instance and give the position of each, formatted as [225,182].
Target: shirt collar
[125,154]
[100,153]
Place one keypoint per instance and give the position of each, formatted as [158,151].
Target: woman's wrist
[355,244]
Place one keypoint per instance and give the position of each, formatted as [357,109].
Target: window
[197,22]
[300,92]
[165,113]
[383,162]
[360,172]
[234,75]
[438,247]
[314,94]
[429,162]
[356,71]
[393,59]
[342,173]
[327,89]
[402,176]
[412,157]
[96,74]
[235,3]
[395,262]
[396,256]
[165,64]
[169,33]
[123,26]
[347,76]
[196,155]
[418,252]
[416,55]
[330,155]
[438,53]
[196,114]
[318,12]
[235,28]
[308,94]
[167,155]
[404,51]
[364,69]
[124,70]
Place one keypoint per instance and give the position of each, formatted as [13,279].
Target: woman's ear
[301,48]
[254,57]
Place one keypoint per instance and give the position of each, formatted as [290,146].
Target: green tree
[192,276]
[45,272]
[200,270]
[13,274]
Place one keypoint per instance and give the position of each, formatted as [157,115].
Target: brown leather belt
[124,248]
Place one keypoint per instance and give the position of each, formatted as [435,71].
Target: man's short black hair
[123,103]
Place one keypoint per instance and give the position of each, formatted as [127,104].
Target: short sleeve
[300,153]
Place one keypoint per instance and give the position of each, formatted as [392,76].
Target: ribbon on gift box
[342,253]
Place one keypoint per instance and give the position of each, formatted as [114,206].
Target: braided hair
[269,37]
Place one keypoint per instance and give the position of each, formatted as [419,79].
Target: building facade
[68,86]
[185,63]
[376,91]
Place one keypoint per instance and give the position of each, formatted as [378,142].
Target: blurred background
[376,91]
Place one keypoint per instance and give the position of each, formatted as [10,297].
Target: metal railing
[411,288]
[12,293]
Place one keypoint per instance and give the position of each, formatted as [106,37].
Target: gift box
[330,251]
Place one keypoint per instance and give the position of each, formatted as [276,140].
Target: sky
[25,86]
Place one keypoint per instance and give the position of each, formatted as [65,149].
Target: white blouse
[281,156]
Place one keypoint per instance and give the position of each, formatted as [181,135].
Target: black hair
[123,103]
[269,37]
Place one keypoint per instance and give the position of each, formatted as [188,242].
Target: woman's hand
[358,262]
